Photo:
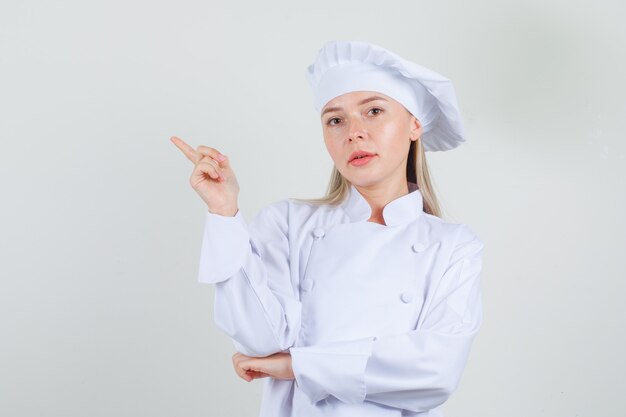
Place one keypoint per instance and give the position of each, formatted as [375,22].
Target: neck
[379,195]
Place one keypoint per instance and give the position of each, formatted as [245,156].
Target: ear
[416,128]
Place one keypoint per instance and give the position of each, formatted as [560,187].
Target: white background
[100,310]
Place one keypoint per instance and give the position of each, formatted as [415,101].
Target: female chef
[365,302]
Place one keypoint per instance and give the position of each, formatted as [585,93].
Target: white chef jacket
[378,319]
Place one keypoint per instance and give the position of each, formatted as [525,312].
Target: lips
[359,154]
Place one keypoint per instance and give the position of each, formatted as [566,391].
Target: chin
[363,182]
[362,179]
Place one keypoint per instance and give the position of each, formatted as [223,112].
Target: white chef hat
[345,66]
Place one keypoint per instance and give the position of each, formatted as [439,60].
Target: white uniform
[379,319]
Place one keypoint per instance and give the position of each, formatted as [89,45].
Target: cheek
[395,140]
[396,148]
[332,148]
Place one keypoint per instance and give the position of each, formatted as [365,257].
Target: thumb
[223,160]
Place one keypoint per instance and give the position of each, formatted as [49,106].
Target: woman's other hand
[212,177]
[277,366]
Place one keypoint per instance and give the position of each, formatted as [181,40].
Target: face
[371,122]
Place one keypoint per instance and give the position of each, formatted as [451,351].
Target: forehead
[357,98]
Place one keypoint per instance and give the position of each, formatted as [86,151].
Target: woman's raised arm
[255,303]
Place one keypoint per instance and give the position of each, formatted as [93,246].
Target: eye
[330,121]
[376,110]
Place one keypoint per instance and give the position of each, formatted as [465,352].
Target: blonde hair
[416,172]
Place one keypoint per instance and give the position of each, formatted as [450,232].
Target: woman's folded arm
[417,370]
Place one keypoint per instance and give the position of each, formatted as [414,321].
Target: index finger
[189,152]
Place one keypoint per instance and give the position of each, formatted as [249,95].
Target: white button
[418,247]
[406,297]
[307,284]
[318,232]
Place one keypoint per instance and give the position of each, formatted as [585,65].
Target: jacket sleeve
[255,303]
[417,370]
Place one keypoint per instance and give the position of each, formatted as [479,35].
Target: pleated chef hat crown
[345,66]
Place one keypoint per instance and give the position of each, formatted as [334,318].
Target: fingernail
[221,157]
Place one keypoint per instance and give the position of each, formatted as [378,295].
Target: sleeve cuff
[225,247]
[336,369]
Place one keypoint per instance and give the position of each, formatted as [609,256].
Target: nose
[355,130]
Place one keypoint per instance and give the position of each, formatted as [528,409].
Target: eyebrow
[367,100]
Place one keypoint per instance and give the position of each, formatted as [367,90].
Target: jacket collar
[403,209]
